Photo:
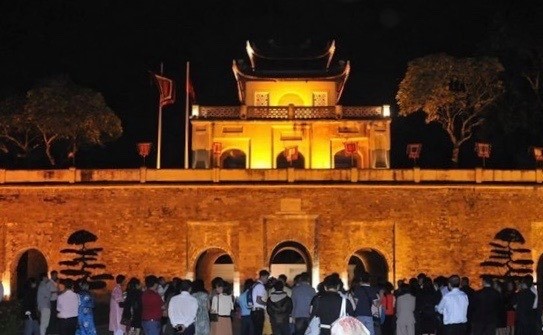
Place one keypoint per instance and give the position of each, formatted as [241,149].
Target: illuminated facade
[290,116]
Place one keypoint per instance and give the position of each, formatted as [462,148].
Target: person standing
[182,310]
[526,315]
[44,303]
[202,315]
[405,311]
[115,309]
[29,308]
[85,317]
[259,297]
[454,308]
[245,309]
[222,305]
[1,291]
[365,296]
[388,302]
[279,307]
[327,306]
[132,305]
[302,295]
[53,284]
[152,307]
[68,309]
[487,306]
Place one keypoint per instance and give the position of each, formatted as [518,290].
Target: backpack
[347,325]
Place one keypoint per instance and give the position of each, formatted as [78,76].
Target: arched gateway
[31,263]
[368,260]
[214,262]
[290,258]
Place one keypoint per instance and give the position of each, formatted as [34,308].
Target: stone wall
[163,229]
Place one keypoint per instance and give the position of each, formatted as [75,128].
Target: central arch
[282,163]
[343,160]
[31,263]
[214,262]
[368,260]
[290,258]
[233,159]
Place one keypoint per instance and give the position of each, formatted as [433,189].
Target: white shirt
[259,291]
[534,289]
[67,305]
[222,305]
[454,307]
[182,309]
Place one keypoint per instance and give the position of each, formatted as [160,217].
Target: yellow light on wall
[7,287]
[386,111]
[195,112]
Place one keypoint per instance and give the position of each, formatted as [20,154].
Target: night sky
[110,45]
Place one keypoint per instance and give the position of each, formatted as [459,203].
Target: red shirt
[151,306]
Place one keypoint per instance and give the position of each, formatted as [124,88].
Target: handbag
[314,327]
[214,317]
[347,325]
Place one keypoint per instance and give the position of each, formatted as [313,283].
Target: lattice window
[262,99]
[320,99]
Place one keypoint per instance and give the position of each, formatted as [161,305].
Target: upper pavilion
[290,115]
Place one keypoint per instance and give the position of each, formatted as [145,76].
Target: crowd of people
[267,305]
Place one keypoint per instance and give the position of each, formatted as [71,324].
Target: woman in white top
[222,304]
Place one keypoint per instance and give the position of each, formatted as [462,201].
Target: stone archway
[368,260]
[233,159]
[290,258]
[282,163]
[344,161]
[31,263]
[214,262]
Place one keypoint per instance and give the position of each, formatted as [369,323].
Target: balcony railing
[289,112]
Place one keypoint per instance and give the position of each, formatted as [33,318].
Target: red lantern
[350,148]
[483,150]
[413,150]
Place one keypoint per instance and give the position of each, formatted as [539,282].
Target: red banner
[217,148]
[291,153]
[350,148]
[167,90]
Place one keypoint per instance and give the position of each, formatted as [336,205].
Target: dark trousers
[246,325]
[190,330]
[300,325]
[258,321]
[455,329]
[53,327]
[67,326]
[389,326]
[280,328]
[483,328]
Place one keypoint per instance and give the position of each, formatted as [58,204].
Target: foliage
[454,92]
[10,319]
[84,259]
[507,259]
[57,112]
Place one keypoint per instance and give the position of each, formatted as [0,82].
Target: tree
[454,92]
[84,260]
[61,110]
[503,255]
[16,131]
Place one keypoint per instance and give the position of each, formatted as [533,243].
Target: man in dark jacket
[526,314]
[279,307]
[30,309]
[487,305]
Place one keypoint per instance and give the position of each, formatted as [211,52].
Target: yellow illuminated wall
[282,93]
[317,140]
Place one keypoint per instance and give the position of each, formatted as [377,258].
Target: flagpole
[187,83]
[159,140]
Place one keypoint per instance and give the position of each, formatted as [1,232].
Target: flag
[291,153]
[190,91]
[166,89]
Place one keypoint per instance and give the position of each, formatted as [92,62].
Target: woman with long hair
[202,315]
[132,306]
